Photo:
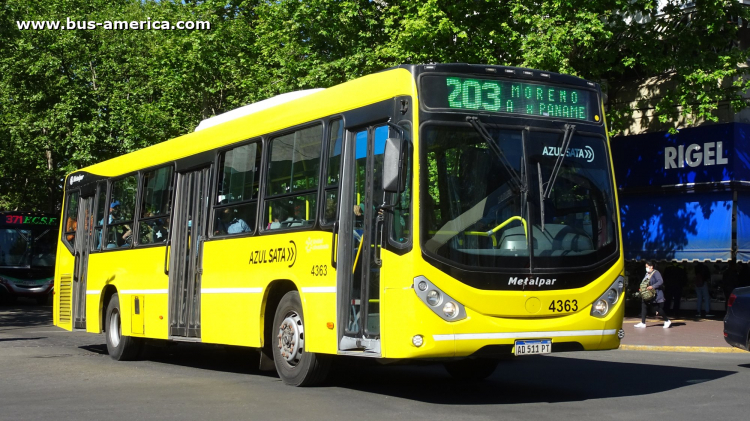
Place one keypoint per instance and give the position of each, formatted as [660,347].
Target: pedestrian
[675,279]
[729,281]
[702,280]
[655,283]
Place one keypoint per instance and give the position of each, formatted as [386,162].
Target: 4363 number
[561,306]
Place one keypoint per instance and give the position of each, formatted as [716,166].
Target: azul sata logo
[586,153]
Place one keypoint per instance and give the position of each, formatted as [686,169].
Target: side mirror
[394,165]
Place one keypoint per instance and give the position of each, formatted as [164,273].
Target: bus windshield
[28,247]
[479,213]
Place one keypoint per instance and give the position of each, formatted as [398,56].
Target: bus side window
[121,211]
[293,179]
[101,207]
[71,220]
[156,197]
[237,197]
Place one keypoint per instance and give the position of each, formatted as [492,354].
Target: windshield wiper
[563,152]
[516,182]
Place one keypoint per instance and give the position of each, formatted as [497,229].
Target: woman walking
[656,284]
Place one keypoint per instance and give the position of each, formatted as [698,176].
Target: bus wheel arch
[107,294]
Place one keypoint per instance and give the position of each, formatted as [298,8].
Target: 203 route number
[560,306]
[319,270]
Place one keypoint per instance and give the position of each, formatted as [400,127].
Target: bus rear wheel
[471,369]
[296,366]
[120,348]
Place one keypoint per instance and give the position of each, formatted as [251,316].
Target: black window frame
[215,184]
[324,188]
[64,223]
[96,225]
[136,212]
[139,204]
[268,140]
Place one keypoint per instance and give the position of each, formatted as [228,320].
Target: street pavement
[47,373]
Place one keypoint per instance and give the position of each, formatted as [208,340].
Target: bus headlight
[450,309]
[433,298]
[438,301]
[601,307]
[611,296]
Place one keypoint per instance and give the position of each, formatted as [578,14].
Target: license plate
[30,283]
[532,347]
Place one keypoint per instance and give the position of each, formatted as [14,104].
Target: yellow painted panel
[231,319]
[140,270]
[319,310]
[237,272]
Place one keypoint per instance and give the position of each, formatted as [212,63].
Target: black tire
[120,348]
[43,300]
[295,366]
[471,370]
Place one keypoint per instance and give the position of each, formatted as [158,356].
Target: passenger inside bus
[228,223]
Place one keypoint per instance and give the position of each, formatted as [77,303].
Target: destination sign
[508,96]
[29,220]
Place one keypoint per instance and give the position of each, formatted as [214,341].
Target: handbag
[647,295]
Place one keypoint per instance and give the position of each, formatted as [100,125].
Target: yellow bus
[449,212]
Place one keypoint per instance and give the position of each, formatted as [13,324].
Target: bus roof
[357,93]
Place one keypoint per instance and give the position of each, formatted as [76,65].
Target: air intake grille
[66,295]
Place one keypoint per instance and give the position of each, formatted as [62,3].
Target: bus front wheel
[120,348]
[296,366]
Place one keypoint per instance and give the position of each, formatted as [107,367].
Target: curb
[710,349]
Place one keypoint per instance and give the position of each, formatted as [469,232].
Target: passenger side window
[101,208]
[333,172]
[153,225]
[239,186]
[120,213]
[291,199]
[71,220]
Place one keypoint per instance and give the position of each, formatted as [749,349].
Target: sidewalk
[685,335]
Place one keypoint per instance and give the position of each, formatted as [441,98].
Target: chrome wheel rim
[291,339]
[115,332]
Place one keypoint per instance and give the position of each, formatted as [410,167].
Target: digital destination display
[29,220]
[508,96]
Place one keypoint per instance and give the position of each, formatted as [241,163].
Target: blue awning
[743,226]
[691,227]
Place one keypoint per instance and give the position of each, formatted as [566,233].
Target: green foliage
[72,98]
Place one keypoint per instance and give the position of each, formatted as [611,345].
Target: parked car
[737,320]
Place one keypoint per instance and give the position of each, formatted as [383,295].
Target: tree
[71,98]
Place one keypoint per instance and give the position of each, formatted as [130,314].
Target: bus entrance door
[188,232]
[82,247]
[360,226]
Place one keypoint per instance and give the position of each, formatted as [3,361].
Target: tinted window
[155,206]
[71,219]
[121,210]
[237,198]
[293,179]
